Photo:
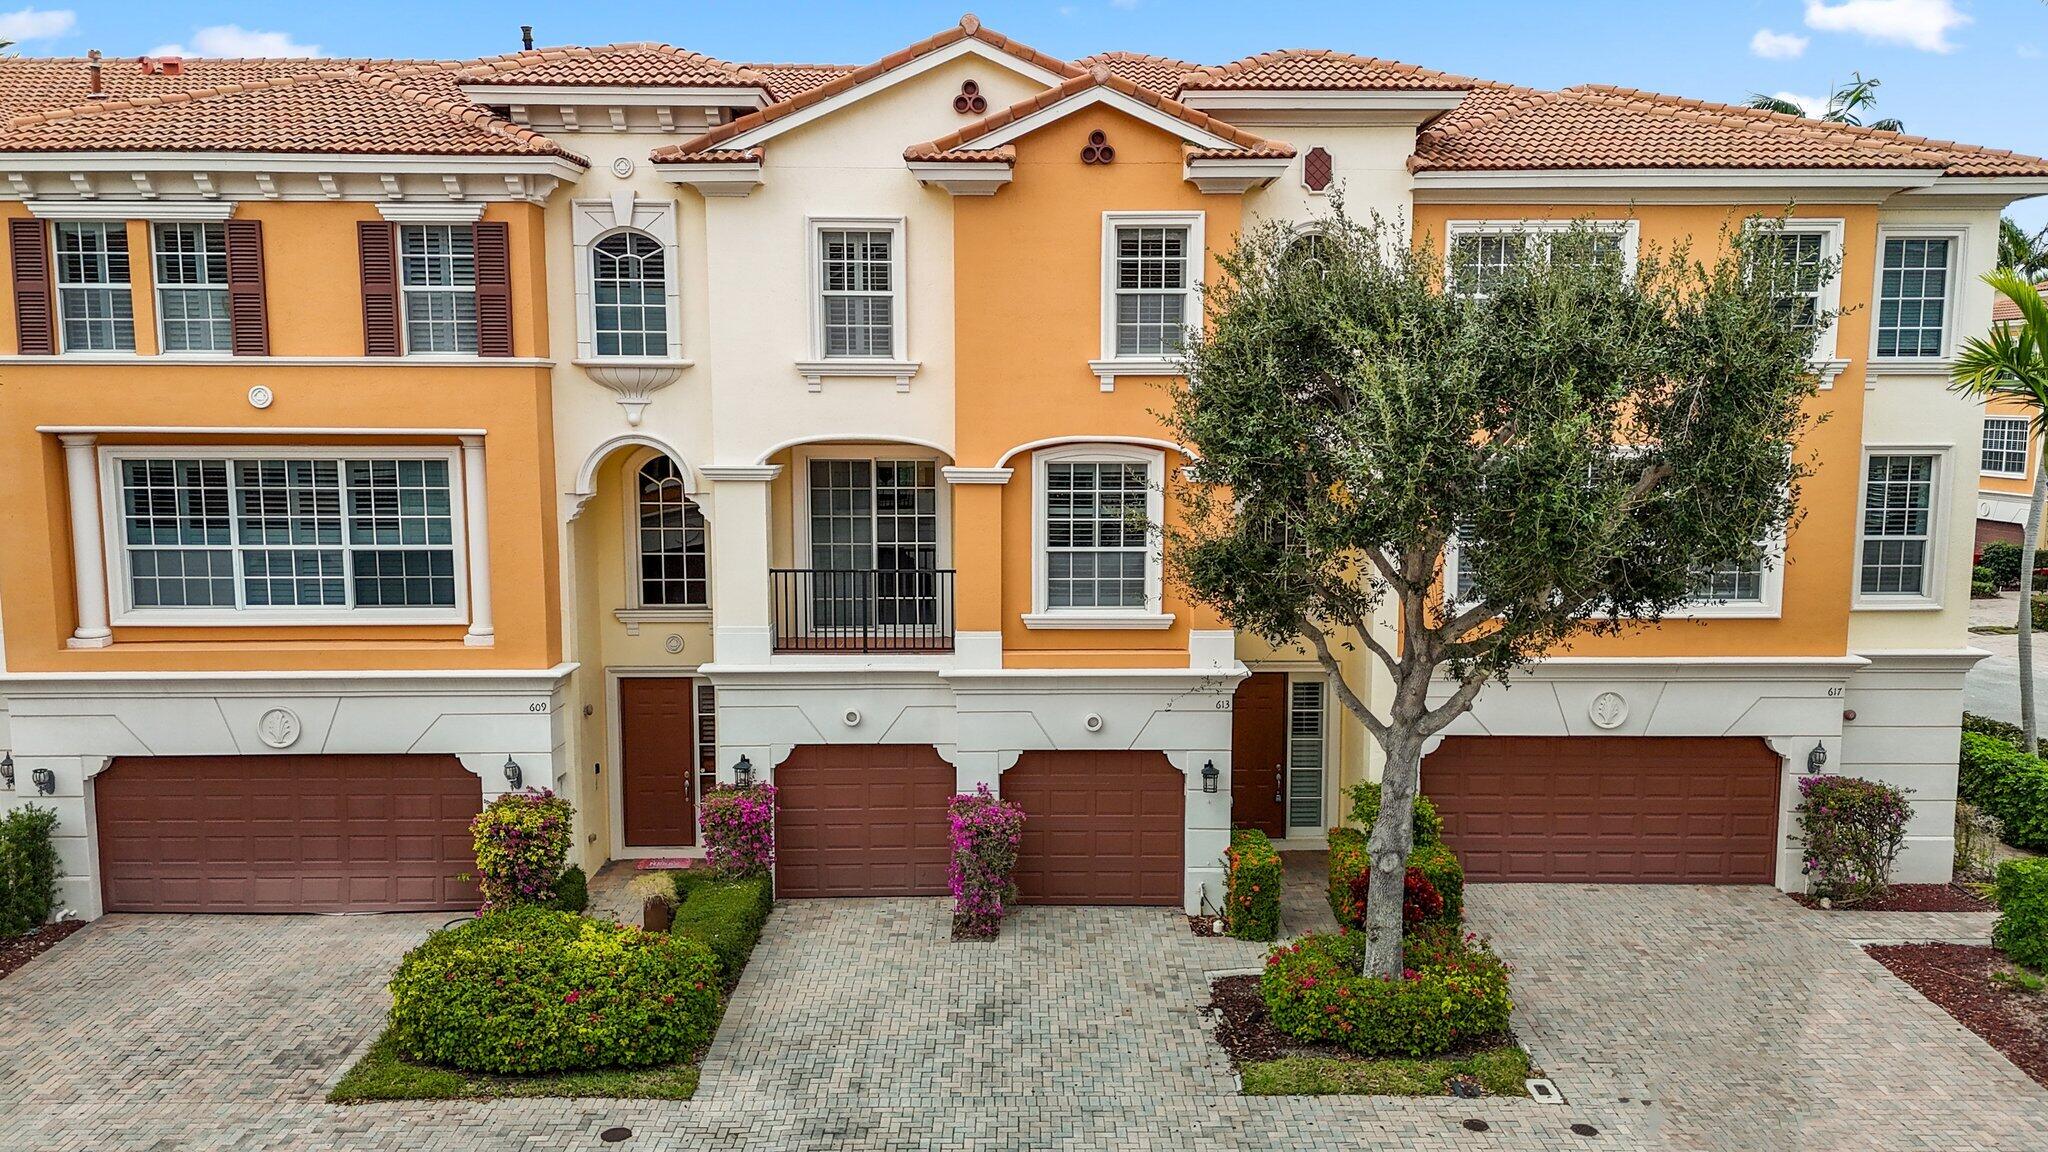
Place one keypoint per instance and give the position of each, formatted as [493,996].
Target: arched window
[1310,249]
[629,288]
[674,568]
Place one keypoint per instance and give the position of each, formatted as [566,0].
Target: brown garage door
[286,833]
[1099,827]
[1612,809]
[862,820]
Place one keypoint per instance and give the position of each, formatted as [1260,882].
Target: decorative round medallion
[622,166]
[852,717]
[278,728]
[261,397]
[673,644]
[1609,710]
[1092,722]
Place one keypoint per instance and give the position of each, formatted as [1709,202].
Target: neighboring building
[2011,456]
[804,405]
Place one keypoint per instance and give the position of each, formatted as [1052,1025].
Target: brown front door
[1609,809]
[657,737]
[1099,827]
[286,833]
[862,820]
[1258,749]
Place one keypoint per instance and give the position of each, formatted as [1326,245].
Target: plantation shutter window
[629,290]
[1151,290]
[95,303]
[437,280]
[1306,721]
[192,286]
[1898,524]
[28,247]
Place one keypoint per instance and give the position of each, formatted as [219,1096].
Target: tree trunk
[2026,620]
[1393,837]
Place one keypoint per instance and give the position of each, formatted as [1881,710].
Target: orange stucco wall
[1028,296]
[1820,551]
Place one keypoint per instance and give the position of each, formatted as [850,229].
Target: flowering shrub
[2022,929]
[1854,829]
[1251,886]
[1420,900]
[530,989]
[1349,866]
[986,833]
[739,829]
[1453,994]
[522,839]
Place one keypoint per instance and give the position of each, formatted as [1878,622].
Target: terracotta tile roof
[2004,311]
[968,27]
[1266,152]
[1001,154]
[1162,74]
[1099,76]
[622,65]
[41,84]
[725,156]
[345,111]
[1311,69]
[786,81]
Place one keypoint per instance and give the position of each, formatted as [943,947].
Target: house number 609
[537,707]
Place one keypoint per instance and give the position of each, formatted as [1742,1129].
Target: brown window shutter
[493,288]
[248,314]
[28,243]
[377,251]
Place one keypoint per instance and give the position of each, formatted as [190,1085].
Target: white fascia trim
[1692,667]
[1335,101]
[2014,187]
[913,68]
[1935,659]
[1111,438]
[748,473]
[1100,94]
[272,682]
[173,210]
[713,178]
[1083,619]
[1217,176]
[966,680]
[962,177]
[421,212]
[1742,178]
[617,95]
[240,430]
[308,162]
[956,475]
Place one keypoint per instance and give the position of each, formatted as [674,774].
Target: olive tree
[1589,439]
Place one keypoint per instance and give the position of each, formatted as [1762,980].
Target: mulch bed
[1247,1033]
[18,950]
[1204,925]
[1915,898]
[1957,977]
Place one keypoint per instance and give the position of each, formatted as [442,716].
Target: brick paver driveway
[1672,1018]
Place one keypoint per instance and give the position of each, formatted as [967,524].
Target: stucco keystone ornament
[1609,710]
[278,728]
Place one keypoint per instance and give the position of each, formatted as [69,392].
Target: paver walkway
[1745,1022]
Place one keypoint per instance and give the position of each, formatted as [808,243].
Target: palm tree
[2011,363]
[2020,251]
[1846,105]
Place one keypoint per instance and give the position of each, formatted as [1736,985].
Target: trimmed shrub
[986,833]
[522,839]
[1348,881]
[1453,993]
[2002,561]
[1420,902]
[1365,809]
[28,869]
[572,890]
[1251,886]
[1853,830]
[1977,836]
[2040,603]
[1440,865]
[726,916]
[739,829]
[1983,589]
[1996,729]
[528,989]
[2009,784]
[2022,895]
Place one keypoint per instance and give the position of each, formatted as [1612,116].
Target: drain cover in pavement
[614,1135]
[1476,1125]
[1585,1130]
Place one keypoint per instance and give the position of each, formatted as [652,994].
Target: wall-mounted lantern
[46,780]
[1816,759]
[515,779]
[7,770]
[743,772]
[1209,776]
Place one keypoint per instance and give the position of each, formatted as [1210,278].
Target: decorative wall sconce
[970,101]
[46,780]
[515,779]
[1098,150]
[7,770]
[743,772]
[1209,776]
[1816,759]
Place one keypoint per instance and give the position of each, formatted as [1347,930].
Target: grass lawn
[1500,1070]
[382,1074]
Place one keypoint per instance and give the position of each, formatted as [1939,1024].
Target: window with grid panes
[1306,723]
[1739,581]
[1898,519]
[192,287]
[629,290]
[877,521]
[674,562]
[1912,296]
[859,301]
[437,276]
[2005,445]
[1151,289]
[1805,257]
[1095,534]
[95,305]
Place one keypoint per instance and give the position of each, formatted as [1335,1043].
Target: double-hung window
[1912,297]
[437,277]
[2005,445]
[1480,252]
[95,305]
[1151,268]
[1096,507]
[211,537]
[1805,255]
[1897,532]
[192,287]
[857,306]
[629,293]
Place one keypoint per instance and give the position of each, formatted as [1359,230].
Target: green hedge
[1348,861]
[2022,895]
[725,916]
[1365,810]
[529,989]
[2007,783]
[1456,999]
[28,869]
[572,890]
[1251,886]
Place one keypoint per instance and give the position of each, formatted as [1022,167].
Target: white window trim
[58,285]
[1152,616]
[120,580]
[1769,607]
[594,220]
[899,367]
[1958,252]
[2026,446]
[405,348]
[1827,360]
[1111,365]
[1305,831]
[1631,235]
[800,458]
[157,288]
[637,611]
[1937,530]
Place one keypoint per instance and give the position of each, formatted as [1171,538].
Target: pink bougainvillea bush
[986,833]
[739,829]
[1854,830]
[522,840]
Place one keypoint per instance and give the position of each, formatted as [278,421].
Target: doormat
[669,863]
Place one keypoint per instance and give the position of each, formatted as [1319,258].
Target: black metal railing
[869,610]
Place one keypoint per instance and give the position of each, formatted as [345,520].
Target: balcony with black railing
[822,610]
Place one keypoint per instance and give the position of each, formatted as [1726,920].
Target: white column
[88,547]
[743,619]
[476,518]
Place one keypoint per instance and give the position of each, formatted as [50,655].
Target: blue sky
[1946,65]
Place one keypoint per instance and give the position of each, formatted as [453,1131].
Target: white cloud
[2027,52]
[35,24]
[1777,45]
[235,40]
[1811,105]
[1922,24]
